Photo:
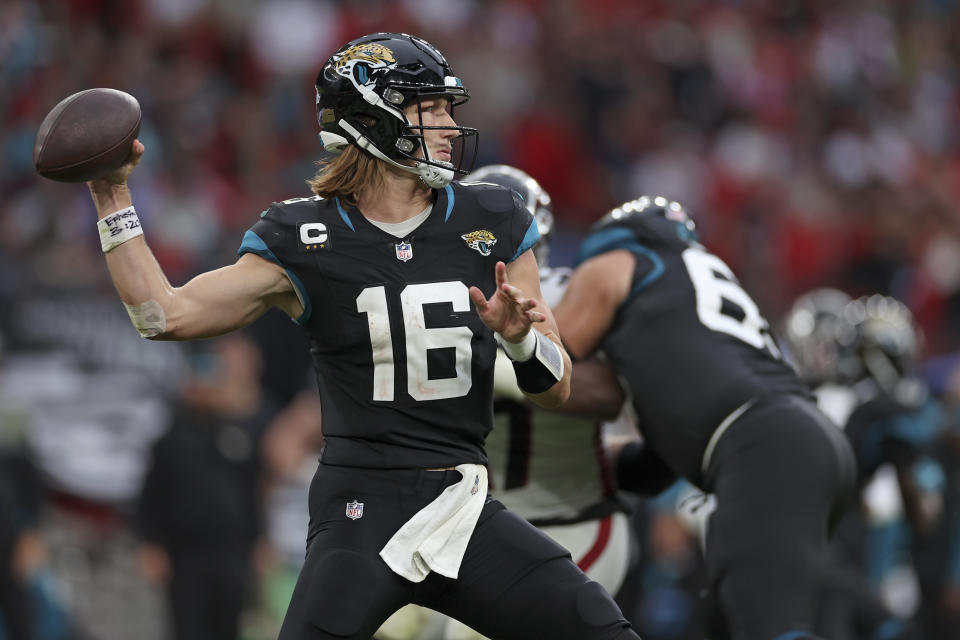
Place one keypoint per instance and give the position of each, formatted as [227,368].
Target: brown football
[87,135]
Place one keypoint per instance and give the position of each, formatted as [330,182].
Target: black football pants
[515,583]
[781,474]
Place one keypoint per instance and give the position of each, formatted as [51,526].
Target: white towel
[436,537]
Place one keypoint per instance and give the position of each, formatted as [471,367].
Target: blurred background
[815,143]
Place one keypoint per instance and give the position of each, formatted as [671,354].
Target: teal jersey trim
[252,243]
[793,635]
[620,238]
[530,238]
[343,214]
[450,200]
[919,428]
[889,629]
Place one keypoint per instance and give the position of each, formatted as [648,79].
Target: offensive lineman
[404,284]
[716,405]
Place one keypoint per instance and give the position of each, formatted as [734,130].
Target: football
[87,135]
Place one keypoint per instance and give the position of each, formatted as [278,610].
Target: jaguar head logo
[480,240]
[357,61]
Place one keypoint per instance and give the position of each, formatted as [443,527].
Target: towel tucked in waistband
[436,537]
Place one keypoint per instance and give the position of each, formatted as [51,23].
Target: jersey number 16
[372,301]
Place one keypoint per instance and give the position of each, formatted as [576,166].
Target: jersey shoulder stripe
[612,238]
[530,238]
[266,239]
[451,199]
[252,243]
[502,208]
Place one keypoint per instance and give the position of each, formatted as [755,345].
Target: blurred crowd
[815,143]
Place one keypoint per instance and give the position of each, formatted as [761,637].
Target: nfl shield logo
[354,510]
[404,251]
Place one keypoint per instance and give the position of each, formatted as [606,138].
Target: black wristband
[543,370]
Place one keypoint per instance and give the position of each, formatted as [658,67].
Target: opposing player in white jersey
[548,467]
[551,467]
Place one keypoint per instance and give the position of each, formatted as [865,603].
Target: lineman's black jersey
[404,363]
[689,341]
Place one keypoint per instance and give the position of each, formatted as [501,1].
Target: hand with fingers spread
[507,311]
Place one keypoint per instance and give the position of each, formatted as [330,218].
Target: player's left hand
[507,311]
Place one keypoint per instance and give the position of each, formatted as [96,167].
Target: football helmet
[810,329]
[655,205]
[880,331]
[363,89]
[534,196]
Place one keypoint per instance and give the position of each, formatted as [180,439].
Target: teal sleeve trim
[603,241]
[530,238]
[652,275]
[620,238]
[252,243]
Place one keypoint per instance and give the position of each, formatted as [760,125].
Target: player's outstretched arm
[589,305]
[211,304]
[595,391]
[540,361]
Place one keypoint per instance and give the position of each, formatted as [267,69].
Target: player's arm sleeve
[265,239]
[649,265]
[523,229]
[595,391]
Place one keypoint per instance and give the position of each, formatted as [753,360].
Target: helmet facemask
[412,146]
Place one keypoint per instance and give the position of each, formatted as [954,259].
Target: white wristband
[118,227]
[519,351]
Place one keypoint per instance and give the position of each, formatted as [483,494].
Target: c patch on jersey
[314,235]
[480,240]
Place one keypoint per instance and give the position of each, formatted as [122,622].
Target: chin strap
[433,176]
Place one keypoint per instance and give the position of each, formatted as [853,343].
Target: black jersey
[689,341]
[404,364]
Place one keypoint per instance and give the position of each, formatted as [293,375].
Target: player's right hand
[508,311]
[120,175]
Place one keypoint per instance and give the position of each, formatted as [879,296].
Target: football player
[896,431]
[717,405]
[858,357]
[549,467]
[404,282]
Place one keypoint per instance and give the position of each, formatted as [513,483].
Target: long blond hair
[344,176]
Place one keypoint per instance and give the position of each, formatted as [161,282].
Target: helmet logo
[480,240]
[357,61]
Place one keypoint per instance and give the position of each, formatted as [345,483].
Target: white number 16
[373,302]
